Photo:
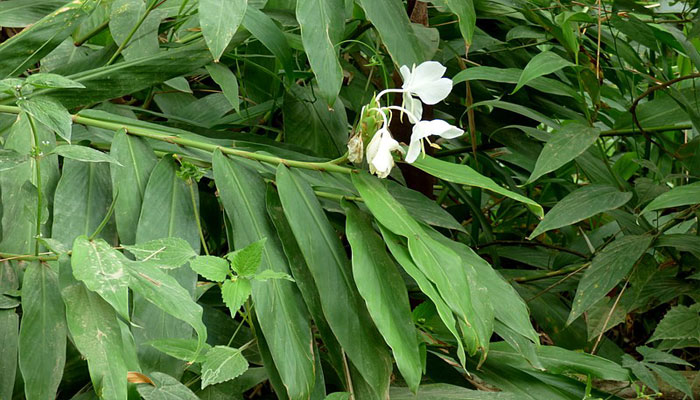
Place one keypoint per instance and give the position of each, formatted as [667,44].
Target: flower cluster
[421,84]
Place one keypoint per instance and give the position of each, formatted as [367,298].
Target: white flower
[423,129]
[379,153]
[426,82]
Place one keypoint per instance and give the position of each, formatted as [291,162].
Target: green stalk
[96,31]
[190,185]
[39,196]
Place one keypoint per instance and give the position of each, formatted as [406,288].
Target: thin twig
[533,244]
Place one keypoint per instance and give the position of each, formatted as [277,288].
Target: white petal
[373,146]
[413,151]
[435,127]
[405,74]
[414,107]
[429,71]
[434,91]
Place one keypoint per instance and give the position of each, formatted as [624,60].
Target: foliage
[187,212]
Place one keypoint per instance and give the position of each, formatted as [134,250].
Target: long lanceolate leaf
[439,263]
[219,20]
[25,48]
[342,304]
[278,306]
[42,335]
[167,211]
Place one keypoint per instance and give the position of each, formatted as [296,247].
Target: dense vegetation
[199,199]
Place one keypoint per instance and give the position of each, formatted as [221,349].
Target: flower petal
[434,91]
[413,151]
[405,74]
[426,82]
[414,107]
[429,71]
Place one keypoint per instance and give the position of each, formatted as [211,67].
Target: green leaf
[580,204]
[85,154]
[10,159]
[269,274]
[464,9]
[9,337]
[52,81]
[381,286]
[607,269]
[309,123]
[235,293]
[640,370]
[221,364]
[678,196]
[271,36]
[83,197]
[542,64]
[651,354]
[673,378]
[227,81]
[280,311]
[443,391]
[321,23]
[124,17]
[165,292]
[324,254]
[129,178]
[171,252]
[680,322]
[102,270]
[390,19]
[213,268]
[465,175]
[20,13]
[338,396]
[165,387]
[95,330]
[42,334]
[219,20]
[31,44]
[50,113]
[563,146]
[511,75]
[167,212]
[246,261]
[182,349]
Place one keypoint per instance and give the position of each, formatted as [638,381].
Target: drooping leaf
[227,81]
[271,36]
[607,269]
[102,270]
[95,330]
[278,306]
[580,204]
[542,64]
[219,20]
[464,9]
[465,175]
[321,23]
[42,334]
[381,286]
[221,364]
[564,145]
[344,309]
[50,113]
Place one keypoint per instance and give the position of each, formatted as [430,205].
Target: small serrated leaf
[213,268]
[247,260]
[235,293]
[221,364]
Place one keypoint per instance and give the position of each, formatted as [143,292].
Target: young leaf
[171,252]
[52,81]
[235,293]
[246,261]
[85,154]
[607,269]
[221,364]
[165,387]
[542,64]
[50,113]
[102,270]
[219,20]
[564,145]
[215,269]
[580,204]
[42,334]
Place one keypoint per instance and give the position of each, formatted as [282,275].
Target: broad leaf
[235,293]
[227,81]
[171,252]
[678,196]
[50,113]
[680,322]
[246,261]
[563,146]
[165,387]
[52,81]
[9,336]
[542,64]
[219,20]
[182,349]
[85,154]
[221,364]
[213,268]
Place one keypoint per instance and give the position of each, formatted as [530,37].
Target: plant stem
[548,274]
[195,208]
[106,219]
[26,257]
[96,31]
[39,196]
